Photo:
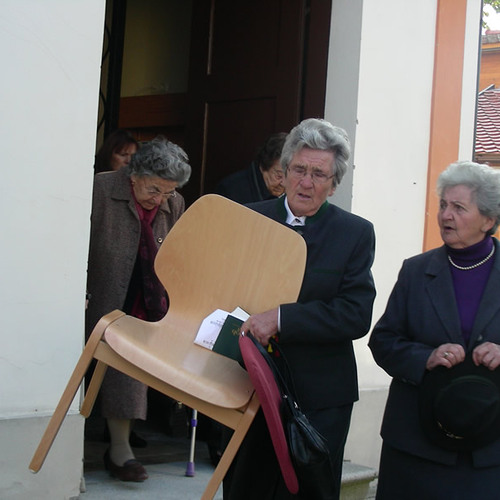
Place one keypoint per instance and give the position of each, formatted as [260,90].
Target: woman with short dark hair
[262,180]
[116,151]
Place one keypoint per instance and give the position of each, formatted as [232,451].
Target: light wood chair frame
[218,255]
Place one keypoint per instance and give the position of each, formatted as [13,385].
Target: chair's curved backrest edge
[217,237]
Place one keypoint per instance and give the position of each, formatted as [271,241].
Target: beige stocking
[119,432]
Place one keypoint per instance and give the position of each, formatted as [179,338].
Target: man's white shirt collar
[292,219]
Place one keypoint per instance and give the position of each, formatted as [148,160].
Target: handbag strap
[284,380]
[284,367]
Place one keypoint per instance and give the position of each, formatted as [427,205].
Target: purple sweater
[469,285]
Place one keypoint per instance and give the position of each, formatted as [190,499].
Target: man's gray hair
[315,133]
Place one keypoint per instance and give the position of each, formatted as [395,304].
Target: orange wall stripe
[445,106]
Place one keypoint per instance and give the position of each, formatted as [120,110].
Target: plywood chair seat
[219,255]
[174,359]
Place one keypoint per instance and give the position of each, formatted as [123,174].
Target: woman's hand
[487,354]
[262,326]
[446,355]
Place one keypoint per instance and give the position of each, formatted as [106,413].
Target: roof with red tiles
[488,122]
[490,37]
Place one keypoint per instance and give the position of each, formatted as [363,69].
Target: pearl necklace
[480,263]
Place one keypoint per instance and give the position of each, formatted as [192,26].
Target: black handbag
[307,447]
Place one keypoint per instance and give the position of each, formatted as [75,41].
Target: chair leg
[93,389]
[231,449]
[70,391]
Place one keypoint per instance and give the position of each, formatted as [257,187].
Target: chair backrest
[221,255]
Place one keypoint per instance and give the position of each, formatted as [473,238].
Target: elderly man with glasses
[334,306]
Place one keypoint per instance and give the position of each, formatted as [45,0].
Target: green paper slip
[227,340]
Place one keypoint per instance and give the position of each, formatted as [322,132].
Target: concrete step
[358,482]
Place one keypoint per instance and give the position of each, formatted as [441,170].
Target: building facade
[408,107]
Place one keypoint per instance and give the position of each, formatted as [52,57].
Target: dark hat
[459,407]
[270,399]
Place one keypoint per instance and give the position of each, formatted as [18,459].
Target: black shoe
[131,470]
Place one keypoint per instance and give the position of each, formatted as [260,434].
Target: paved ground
[166,481]
[165,458]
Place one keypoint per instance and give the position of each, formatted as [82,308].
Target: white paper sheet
[212,324]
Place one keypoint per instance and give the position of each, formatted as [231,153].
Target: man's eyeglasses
[317,176]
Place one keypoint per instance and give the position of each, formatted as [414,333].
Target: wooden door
[245,82]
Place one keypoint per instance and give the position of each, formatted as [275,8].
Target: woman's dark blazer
[114,241]
[422,314]
[334,305]
[244,186]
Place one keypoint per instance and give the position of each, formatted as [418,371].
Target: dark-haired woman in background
[262,180]
[116,151]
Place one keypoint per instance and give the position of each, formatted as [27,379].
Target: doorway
[215,76]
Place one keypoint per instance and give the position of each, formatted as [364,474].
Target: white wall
[392,136]
[386,111]
[50,53]
[379,88]
[341,99]
[392,141]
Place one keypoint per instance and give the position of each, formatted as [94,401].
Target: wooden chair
[219,255]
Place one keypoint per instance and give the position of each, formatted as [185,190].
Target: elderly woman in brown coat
[133,209]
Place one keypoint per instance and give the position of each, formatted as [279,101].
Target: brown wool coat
[114,242]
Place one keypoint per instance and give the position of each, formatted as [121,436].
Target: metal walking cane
[190,465]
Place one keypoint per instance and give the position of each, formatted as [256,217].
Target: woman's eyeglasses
[276,174]
[154,192]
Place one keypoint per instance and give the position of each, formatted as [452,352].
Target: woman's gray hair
[161,158]
[484,182]
[315,133]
